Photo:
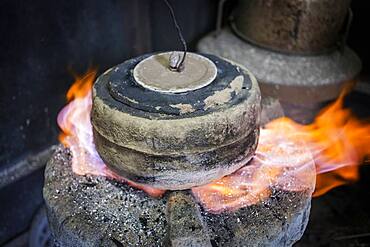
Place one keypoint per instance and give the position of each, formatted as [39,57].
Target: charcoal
[278,221]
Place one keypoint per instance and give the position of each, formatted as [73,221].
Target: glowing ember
[74,121]
[286,157]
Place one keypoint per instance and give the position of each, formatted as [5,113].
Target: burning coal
[289,156]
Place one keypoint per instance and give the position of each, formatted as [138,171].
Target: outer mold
[176,141]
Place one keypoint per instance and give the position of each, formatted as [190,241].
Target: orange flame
[80,95]
[77,134]
[340,142]
[337,141]
[288,157]
[282,160]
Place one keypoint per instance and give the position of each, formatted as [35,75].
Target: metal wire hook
[175,64]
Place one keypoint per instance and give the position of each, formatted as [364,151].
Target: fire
[77,134]
[74,121]
[337,141]
[307,158]
[282,161]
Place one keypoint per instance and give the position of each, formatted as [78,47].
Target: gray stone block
[97,211]
[296,79]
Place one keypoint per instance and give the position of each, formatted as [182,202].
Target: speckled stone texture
[176,141]
[290,78]
[294,26]
[96,211]
[270,109]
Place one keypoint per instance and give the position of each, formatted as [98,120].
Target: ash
[96,211]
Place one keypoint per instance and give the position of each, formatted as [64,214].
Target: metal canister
[293,26]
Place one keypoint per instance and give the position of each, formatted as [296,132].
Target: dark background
[42,42]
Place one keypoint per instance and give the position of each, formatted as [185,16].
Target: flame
[77,134]
[337,141]
[282,160]
[312,158]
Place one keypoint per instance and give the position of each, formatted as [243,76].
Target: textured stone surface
[303,26]
[151,137]
[96,211]
[271,109]
[290,78]
[180,171]
[186,227]
[278,221]
[304,114]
